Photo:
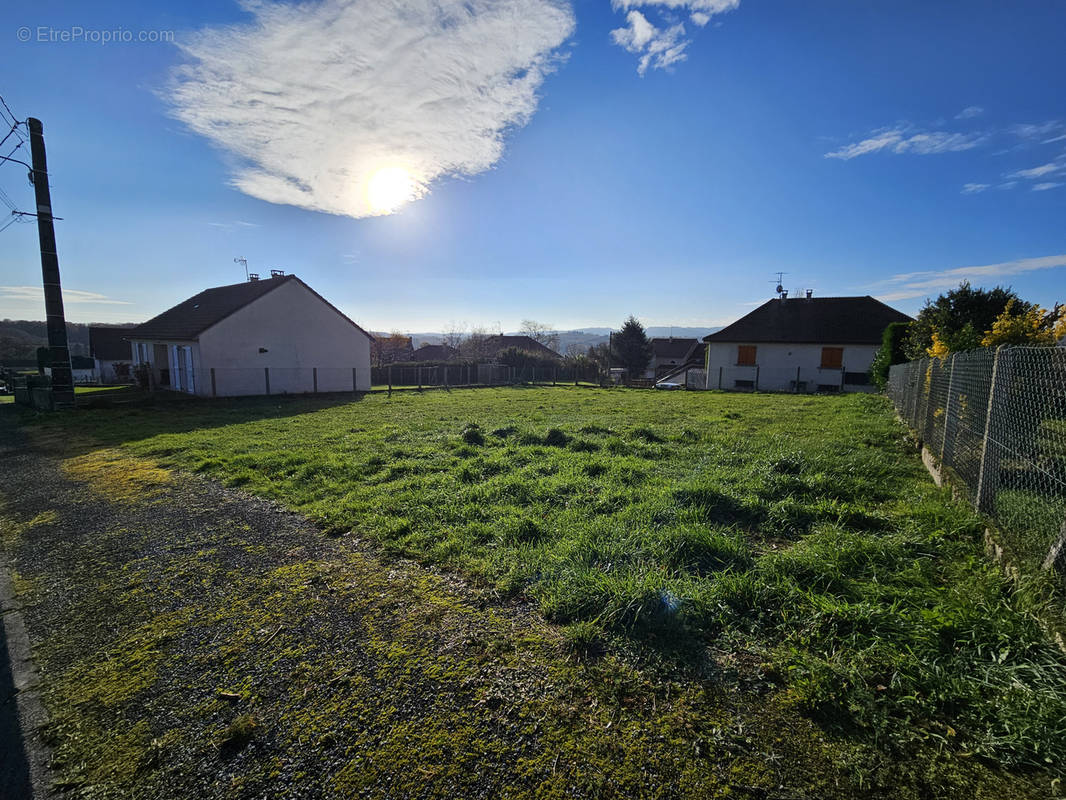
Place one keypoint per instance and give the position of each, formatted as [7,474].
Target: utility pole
[58,352]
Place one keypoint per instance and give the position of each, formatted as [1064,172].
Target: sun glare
[389,188]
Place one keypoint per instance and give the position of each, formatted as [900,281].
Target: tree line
[966,318]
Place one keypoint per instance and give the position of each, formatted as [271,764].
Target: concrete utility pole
[58,352]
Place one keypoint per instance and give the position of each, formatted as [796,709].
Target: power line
[14,119]
[10,222]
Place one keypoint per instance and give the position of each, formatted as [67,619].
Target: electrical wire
[10,222]
[14,119]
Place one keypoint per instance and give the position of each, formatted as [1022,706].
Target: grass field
[799,534]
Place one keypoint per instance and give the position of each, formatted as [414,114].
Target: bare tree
[540,332]
[453,335]
[475,345]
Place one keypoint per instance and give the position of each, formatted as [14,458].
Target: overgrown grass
[801,530]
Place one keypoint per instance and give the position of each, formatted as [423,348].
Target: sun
[389,188]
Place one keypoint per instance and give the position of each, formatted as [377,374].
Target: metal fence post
[948,410]
[266,375]
[214,392]
[757,377]
[314,380]
[987,477]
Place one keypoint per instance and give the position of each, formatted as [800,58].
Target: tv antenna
[244,261]
[780,289]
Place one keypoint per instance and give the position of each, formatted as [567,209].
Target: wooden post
[214,393]
[989,474]
[419,379]
[720,378]
[842,379]
[756,377]
[797,380]
[555,376]
[1056,557]
[314,380]
[390,380]
[266,375]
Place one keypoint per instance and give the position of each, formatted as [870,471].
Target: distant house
[492,346]
[270,336]
[111,352]
[668,353]
[691,371]
[434,352]
[805,344]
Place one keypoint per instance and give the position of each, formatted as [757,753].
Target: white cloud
[974,188]
[314,99]
[909,285]
[1039,172]
[1041,131]
[1043,187]
[970,112]
[658,48]
[35,294]
[901,140]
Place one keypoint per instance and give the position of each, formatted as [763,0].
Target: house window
[746,355]
[832,357]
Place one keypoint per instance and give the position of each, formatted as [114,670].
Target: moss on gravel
[172,616]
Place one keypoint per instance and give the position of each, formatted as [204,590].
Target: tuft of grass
[238,734]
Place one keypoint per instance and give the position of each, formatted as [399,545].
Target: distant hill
[585,337]
[20,338]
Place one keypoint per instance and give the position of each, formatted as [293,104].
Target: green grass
[802,531]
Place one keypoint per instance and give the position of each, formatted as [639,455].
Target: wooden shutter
[832,357]
[746,355]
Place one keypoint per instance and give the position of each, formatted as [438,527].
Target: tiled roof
[188,319]
[813,320]
[671,347]
[109,344]
[494,344]
[433,352]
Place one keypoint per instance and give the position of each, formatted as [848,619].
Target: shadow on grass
[133,416]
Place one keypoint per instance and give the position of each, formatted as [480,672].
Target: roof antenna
[781,291]
[244,261]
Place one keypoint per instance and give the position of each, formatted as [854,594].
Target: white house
[110,350]
[803,344]
[272,336]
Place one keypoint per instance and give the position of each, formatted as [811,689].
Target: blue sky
[569,162]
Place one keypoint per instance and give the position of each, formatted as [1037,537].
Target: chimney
[253,277]
[809,293]
[277,273]
[784,294]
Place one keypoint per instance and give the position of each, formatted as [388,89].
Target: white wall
[299,333]
[777,364]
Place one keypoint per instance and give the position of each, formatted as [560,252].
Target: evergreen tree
[891,352]
[631,349]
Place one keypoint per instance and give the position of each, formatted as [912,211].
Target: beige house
[273,336]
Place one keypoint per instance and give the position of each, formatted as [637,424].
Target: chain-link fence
[996,421]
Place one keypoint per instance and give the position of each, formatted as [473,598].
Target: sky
[432,164]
